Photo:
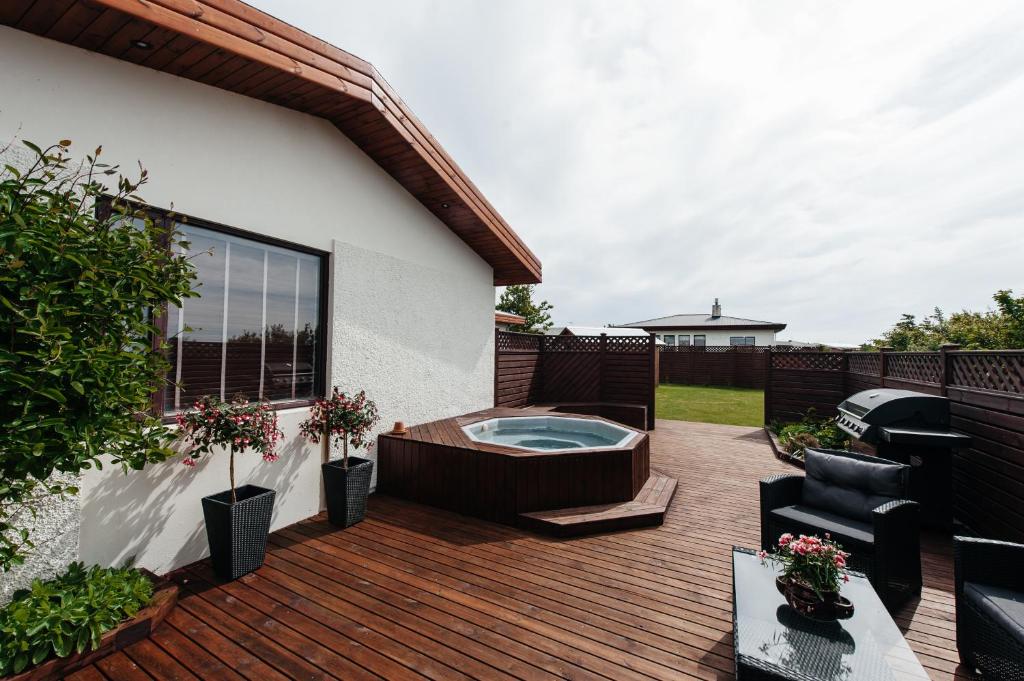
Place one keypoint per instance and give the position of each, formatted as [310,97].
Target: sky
[829,165]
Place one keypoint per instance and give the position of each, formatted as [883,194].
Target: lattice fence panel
[1003,372]
[923,367]
[637,344]
[818,361]
[572,344]
[518,342]
[868,363]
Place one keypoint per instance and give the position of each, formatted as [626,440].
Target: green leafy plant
[80,294]
[810,431]
[68,614]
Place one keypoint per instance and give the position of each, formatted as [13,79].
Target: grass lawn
[732,406]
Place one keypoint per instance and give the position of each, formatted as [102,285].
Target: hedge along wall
[986,391]
[536,369]
[720,365]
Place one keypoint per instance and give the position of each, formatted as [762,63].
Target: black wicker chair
[990,606]
[861,502]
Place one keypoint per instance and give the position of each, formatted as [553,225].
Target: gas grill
[912,428]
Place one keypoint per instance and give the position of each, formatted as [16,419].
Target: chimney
[716,310]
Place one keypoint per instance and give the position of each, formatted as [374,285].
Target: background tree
[1001,328]
[79,298]
[518,299]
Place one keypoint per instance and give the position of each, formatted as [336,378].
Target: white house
[713,329]
[343,237]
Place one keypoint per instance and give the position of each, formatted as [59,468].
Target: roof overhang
[508,318]
[233,46]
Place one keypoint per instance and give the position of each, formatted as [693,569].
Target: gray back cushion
[851,487]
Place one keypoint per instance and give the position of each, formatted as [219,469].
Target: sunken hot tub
[550,433]
[500,463]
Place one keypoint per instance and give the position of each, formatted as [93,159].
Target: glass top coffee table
[773,641]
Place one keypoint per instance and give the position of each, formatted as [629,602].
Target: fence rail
[986,392]
[536,369]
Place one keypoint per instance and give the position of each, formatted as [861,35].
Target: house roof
[501,317]
[704,321]
[236,47]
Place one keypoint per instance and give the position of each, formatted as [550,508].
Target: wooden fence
[536,369]
[986,390]
[720,365]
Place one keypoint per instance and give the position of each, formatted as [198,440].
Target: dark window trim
[164,216]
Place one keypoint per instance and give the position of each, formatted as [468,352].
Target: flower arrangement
[238,425]
[349,418]
[819,564]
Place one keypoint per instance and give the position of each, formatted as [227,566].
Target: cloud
[829,165]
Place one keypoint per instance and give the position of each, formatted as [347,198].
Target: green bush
[810,431]
[80,291]
[68,614]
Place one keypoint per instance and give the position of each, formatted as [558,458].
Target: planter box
[346,490]
[165,596]
[780,453]
[238,532]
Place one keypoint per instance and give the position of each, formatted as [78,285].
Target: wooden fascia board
[247,32]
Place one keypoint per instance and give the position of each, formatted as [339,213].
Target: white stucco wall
[411,317]
[761,336]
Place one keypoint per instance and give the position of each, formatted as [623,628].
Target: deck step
[647,509]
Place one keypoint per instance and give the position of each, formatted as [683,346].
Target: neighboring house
[347,247]
[713,329]
[812,346]
[574,330]
[504,321]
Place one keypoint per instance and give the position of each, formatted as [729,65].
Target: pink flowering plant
[238,425]
[343,418]
[819,564]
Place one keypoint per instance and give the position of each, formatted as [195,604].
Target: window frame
[679,340]
[743,341]
[703,340]
[165,217]
[667,341]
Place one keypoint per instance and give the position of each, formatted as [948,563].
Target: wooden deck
[415,592]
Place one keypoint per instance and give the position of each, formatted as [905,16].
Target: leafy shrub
[68,614]
[810,431]
[79,293]
[346,418]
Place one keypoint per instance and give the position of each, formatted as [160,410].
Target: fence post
[844,366]
[768,385]
[497,335]
[653,349]
[944,366]
[602,360]
[883,364]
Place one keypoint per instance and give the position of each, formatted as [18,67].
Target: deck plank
[417,592]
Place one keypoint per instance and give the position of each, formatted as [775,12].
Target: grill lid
[885,406]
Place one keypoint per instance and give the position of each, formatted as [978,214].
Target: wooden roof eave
[243,31]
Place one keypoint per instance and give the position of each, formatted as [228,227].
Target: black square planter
[346,490]
[238,532]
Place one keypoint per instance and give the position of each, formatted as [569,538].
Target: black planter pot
[347,490]
[238,532]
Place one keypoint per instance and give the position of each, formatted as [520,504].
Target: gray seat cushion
[1003,606]
[850,487]
[843,529]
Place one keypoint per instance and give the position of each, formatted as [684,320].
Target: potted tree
[238,519]
[346,420]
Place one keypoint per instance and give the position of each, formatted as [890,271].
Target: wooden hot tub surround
[437,464]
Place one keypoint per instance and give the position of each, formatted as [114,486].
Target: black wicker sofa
[861,501]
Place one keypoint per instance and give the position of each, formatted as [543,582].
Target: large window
[256,328]
[699,340]
[670,339]
[684,339]
[741,340]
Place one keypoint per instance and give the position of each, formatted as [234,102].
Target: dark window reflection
[254,328]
